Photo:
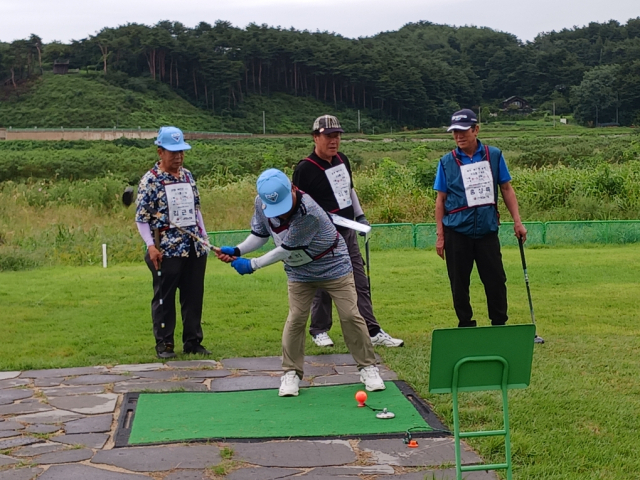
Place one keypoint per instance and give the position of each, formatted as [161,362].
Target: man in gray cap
[326,176]
[467,182]
[168,198]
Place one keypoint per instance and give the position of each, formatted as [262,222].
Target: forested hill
[416,76]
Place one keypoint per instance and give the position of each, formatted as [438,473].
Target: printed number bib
[297,257]
[181,202]
[478,183]
[340,184]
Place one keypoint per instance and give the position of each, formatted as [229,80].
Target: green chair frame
[480,359]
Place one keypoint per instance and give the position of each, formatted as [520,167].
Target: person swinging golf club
[315,256]
[168,204]
[467,181]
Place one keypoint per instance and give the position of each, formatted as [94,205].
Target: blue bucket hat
[274,189]
[172,139]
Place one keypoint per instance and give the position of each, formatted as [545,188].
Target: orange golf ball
[361,397]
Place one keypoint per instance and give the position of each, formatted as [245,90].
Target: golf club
[366,254]
[537,339]
[127,200]
[156,241]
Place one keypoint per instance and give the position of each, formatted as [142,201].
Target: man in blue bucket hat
[168,204]
[315,256]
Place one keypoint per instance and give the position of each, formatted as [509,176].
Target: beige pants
[354,329]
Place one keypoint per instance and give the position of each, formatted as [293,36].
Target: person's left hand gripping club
[242,266]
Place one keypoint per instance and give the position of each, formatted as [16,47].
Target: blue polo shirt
[440,183]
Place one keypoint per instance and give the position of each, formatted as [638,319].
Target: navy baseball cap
[463,120]
[274,189]
[327,124]
[172,139]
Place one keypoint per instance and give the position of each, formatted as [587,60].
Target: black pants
[186,274]
[460,253]
[321,308]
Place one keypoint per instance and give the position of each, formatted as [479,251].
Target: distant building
[516,103]
[61,67]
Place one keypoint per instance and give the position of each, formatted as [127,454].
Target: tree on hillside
[595,94]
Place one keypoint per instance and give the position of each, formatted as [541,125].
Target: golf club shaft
[526,279]
[164,218]
[156,241]
[366,253]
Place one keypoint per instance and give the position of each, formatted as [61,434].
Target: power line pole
[358,121]
[264,123]
[554,114]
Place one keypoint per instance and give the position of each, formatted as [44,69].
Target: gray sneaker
[322,340]
[385,340]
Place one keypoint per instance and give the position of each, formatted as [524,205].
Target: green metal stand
[481,359]
[488,433]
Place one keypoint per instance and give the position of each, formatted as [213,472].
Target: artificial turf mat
[316,412]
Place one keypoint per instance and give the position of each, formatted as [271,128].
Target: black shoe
[165,351]
[197,349]
[470,323]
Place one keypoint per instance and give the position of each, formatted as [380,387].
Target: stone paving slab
[86,472]
[91,440]
[66,391]
[87,404]
[18,442]
[102,379]
[62,372]
[9,433]
[333,359]
[49,416]
[160,459]
[248,382]
[188,475]
[5,460]
[313,476]
[20,474]
[10,396]
[126,387]
[94,424]
[260,473]
[48,382]
[273,364]
[193,364]
[24,407]
[10,425]
[7,375]
[183,375]
[64,456]
[315,370]
[14,382]
[448,474]
[139,367]
[302,454]
[42,428]
[37,449]
[430,452]
[337,380]
[355,470]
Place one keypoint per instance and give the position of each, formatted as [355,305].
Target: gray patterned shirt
[310,231]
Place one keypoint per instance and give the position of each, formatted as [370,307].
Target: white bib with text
[296,257]
[181,202]
[340,184]
[478,183]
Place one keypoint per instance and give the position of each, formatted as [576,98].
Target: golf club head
[538,339]
[127,196]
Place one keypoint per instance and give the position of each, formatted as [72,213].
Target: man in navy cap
[315,256]
[326,176]
[168,198]
[467,182]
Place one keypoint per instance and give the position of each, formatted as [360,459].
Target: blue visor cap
[274,189]
[172,139]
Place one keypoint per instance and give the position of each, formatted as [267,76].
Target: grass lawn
[577,420]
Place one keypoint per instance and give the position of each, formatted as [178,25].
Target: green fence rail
[423,235]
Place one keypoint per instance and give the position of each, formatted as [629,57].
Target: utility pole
[264,123]
[358,121]
[554,114]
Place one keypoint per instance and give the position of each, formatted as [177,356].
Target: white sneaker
[289,383]
[371,378]
[322,340]
[386,340]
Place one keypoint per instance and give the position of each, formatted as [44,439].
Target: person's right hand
[155,255]
[440,245]
[227,254]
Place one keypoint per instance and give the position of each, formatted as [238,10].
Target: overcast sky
[65,20]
